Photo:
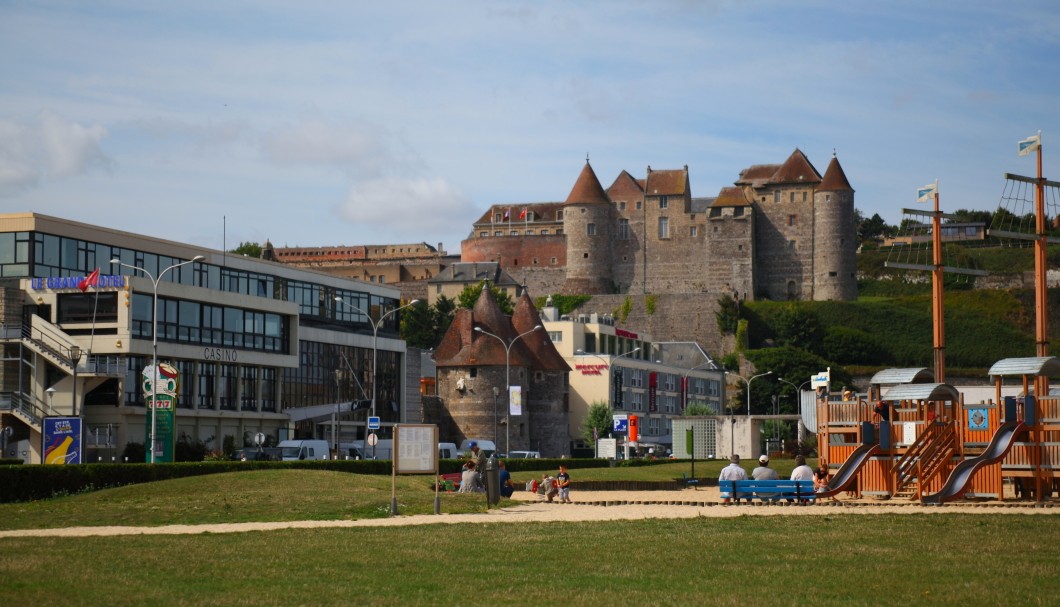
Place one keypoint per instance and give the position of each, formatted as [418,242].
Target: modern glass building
[260,347]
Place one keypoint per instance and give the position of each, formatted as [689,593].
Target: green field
[833,558]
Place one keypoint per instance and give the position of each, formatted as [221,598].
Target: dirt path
[588,506]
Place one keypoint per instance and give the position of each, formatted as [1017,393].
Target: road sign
[373,423]
[621,423]
[259,439]
[373,439]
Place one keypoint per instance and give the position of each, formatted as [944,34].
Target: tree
[698,408]
[598,422]
[798,326]
[444,311]
[871,228]
[418,328]
[470,294]
[249,249]
[728,314]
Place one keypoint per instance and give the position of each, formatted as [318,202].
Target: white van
[448,451]
[357,450]
[486,446]
[293,450]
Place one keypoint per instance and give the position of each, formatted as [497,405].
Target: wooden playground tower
[912,435]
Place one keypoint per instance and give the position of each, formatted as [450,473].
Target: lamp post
[75,359]
[376,324]
[610,389]
[798,404]
[508,379]
[496,393]
[154,335]
[732,413]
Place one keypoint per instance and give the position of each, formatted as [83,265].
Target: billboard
[160,386]
[62,440]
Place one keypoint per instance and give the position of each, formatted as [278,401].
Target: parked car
[525,455]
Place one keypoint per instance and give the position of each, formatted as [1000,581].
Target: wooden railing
[926,456]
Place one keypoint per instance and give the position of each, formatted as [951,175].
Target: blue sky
[325,123]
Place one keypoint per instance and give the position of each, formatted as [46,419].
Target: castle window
[832,274]
[638,205]
[623,229]
[791,245]
[693,231]
[664,227]
[539,376]
[739,247]
[715,229]
[622,205]
[553,261]
[473,372]
[544,232]
[804,196]
[483,233]
[535,261]
[590,229]
[663,202]
[498,233]
[585,256]
[515,262]
[791,197]
[513,232]
[529,232]
[828,198]
[792,220]
[559,231]
[737,212]
[776,196]
[625,258]
[716,212]
[582,210]
[529,215]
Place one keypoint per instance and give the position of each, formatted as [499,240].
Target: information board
[607,448]
[415,449]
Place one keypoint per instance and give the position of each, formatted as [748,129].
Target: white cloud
[415,208]
[47,147]
[357,150]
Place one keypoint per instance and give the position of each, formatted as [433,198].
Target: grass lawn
[839,559]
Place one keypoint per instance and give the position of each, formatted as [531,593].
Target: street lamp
[798,403]
[731,414]
[154,336]
[75,359]
[709,363]
[375,348]
[496,393]
[610,389]
[508,379]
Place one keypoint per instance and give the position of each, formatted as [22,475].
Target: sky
[344,123]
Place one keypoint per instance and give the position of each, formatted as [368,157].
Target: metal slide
[962,473]
[849,470]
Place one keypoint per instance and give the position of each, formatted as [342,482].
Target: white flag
[1030,144]
[927,193]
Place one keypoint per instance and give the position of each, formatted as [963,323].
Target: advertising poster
[160,395]
[515,400]
[62,440]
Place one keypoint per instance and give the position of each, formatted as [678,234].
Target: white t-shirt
[802,473]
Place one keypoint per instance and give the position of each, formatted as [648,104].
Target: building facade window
[590,229]
[664,228]
[693,231]
[664,202]
[623,229]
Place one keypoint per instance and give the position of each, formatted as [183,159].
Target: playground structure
[912,435]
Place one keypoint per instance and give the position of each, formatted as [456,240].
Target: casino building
[261,347]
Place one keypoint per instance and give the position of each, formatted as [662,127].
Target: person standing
[479,457]
[732,472]
[563,480]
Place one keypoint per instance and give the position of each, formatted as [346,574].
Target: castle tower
[587,219]
[834,248]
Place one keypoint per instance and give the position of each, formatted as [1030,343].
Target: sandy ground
[587,506]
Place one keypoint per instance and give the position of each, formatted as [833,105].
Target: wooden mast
[938,317]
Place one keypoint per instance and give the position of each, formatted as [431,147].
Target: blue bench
[767,490]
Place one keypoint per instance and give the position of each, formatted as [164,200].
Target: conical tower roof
[834,178]
[587,189]
[524,318]
[464,346]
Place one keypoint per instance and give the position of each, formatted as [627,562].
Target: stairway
[925,459]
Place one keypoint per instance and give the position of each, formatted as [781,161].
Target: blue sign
[373,423]
[621,423]
[62,440]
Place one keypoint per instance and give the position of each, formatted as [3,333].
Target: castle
[780,232]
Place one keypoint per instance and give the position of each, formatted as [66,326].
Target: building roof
[731,197]
[471,272]
[914,375]
[667,182]
[1035,365]
[700,205]
[543,212]
[625,184]
[587,189]
[835,179]
[463,346]
[796,169]
[524,318]
[757,175]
